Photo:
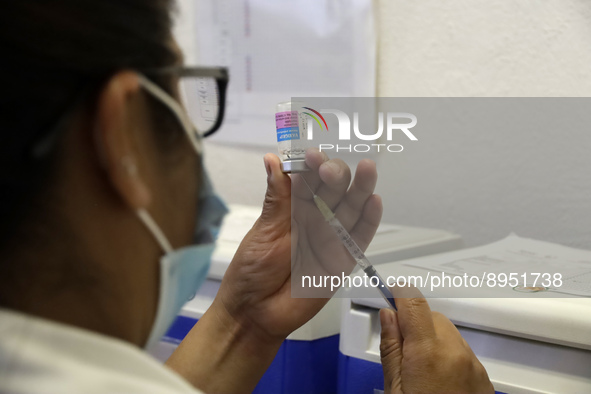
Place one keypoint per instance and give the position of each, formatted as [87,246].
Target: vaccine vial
[291,136]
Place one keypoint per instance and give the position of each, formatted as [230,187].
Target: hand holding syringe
[352,247]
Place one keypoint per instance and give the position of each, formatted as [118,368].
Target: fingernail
[392,316]
[333,166]
[386,317]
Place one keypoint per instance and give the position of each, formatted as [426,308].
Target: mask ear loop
[130,167]
[178,111]
[155,230]
[189,128]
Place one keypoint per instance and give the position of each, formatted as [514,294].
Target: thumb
[391,351]
[277,204]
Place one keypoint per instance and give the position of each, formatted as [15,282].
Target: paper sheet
[520,256]
[276,50]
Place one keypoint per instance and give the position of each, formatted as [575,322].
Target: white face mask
[182,271]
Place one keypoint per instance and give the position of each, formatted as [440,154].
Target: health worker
[108,220]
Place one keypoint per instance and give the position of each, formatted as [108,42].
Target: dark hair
[54,51]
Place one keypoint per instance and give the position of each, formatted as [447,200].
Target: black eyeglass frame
[42,146]
[219,73]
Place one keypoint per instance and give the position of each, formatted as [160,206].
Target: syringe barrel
[354,249]
[348,242]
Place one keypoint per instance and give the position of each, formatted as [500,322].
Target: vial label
[287,126]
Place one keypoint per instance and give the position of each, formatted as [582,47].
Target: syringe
[351,246]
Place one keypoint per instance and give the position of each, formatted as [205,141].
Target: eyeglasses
[202,91]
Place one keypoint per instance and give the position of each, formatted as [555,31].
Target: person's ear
[114,135]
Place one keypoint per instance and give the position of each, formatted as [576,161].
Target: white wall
[472,48]
[238,173]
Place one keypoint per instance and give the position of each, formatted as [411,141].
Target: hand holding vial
[257,287]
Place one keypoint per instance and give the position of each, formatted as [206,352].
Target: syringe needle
[306,182]
[320,204]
